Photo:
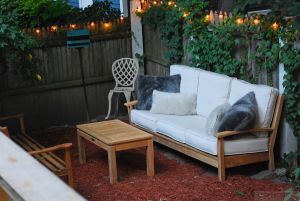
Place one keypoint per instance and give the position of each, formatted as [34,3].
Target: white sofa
[187,134]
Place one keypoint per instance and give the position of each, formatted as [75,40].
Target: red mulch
[172,181]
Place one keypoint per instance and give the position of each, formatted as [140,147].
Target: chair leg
[127,95]
[110,94]
[69,167]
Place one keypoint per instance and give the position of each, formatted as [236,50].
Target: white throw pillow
[214,118]
[173,103]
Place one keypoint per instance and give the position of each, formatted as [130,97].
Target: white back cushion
[189,78]
[265,96]
[213,90]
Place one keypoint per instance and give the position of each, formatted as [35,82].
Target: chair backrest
[125,72]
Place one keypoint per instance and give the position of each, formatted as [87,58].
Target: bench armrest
[52,149]
[254,130]
[4,130]
[16,116]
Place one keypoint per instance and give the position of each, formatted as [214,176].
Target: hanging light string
[107,25]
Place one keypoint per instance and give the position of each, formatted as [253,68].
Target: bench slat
[38,157]
[32,141]
[48,160]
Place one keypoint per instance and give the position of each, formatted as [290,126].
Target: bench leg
[81,149]
[112,163]
[3,195]
[69,167]
[150,158]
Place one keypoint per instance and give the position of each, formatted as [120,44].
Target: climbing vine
[167,20]
[215,47]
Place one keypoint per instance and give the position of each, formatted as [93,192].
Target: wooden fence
[58,99]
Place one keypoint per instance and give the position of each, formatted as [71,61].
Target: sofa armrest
[131,103]
[254,130]
[130,106]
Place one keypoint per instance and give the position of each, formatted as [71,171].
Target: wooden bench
[42,154]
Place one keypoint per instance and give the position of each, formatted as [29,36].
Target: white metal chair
[125,72]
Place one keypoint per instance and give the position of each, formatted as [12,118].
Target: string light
[275,25]
[54,28]
[154,2]
[239,21]
[142,1]
[256,21]
[92,24]
[38,31]
[207,18]
[221,16]
[73,26]
[170,3]
[107,25]
[122,17]
[185,14]
[138,10]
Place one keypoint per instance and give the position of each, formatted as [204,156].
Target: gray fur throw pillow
[146,84]
[242,115]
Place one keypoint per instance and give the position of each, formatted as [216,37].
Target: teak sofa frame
[222,161]
[42,154]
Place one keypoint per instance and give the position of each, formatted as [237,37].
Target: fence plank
[58,98]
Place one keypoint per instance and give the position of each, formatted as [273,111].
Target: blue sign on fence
[78,38]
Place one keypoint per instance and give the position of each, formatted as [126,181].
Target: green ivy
[16,50]
[214,49]
[168,21]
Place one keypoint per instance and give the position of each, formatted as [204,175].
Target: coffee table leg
[150,158]
[112,163]
[81,149]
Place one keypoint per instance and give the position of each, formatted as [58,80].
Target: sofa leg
[221,173]
[221,162]
[271,162]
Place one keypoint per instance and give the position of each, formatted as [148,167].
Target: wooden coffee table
[113,136]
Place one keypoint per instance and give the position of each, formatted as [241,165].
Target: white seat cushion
[145,119]
[176,126]
[208,143]
[265,96]
[213,90]
[189,78]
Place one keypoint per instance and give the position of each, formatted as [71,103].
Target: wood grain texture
[114,136]
[114,132]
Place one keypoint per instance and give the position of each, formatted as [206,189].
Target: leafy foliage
[43,13]
[279,8]
[214,49]
[168,20]
[16,49]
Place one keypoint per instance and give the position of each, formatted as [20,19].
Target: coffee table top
[114,132]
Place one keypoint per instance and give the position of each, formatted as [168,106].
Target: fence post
[137,30]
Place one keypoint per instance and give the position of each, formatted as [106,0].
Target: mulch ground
[173,180]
